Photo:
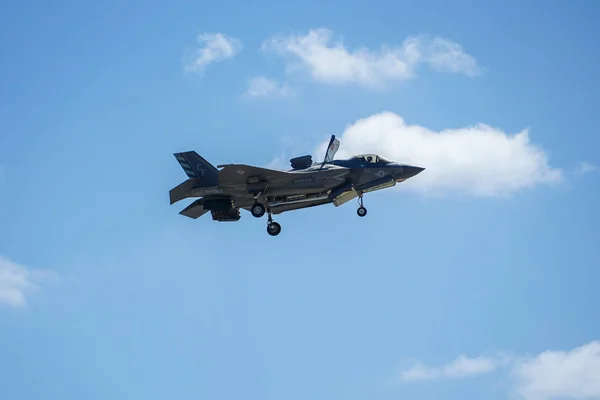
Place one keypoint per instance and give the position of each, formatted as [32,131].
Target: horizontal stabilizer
[183,190]
[194,210]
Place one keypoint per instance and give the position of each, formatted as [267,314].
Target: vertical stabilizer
[196,167]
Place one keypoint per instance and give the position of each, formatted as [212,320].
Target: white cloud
[264,87]
[573,374]
[585,168]
[214,47]
[329,61]
[551,375]
[16,281]
[462,367]
[476,160]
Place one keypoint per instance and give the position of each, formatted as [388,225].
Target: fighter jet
[224,190]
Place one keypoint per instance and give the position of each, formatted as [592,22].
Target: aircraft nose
[412,170]
[408,171]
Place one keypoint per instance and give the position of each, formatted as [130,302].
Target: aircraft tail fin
[196,167]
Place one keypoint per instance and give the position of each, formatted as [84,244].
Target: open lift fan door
[301,162]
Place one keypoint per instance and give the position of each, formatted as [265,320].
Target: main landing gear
[273,228]
[362,211]
[258,210]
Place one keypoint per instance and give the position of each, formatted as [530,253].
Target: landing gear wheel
[258,210]
[273,228]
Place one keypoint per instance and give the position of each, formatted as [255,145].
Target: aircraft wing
[243,174]
[278,209]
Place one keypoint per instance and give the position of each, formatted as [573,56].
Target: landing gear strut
[362,211]
[273,228]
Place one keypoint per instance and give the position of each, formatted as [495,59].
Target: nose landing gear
[362,211]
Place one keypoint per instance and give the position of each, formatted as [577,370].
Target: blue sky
[478,279]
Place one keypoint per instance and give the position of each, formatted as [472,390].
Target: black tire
[257,210]
[273,229]
[362,211]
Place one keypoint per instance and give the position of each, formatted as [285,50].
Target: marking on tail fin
[195,166]
[185,165]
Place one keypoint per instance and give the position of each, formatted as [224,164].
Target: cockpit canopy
[371,158]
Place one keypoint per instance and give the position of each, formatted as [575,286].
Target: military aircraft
[258,190]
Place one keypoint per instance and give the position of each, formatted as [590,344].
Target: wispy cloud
[585,168]
[477,160]
[330,61]
[261,86]
[462,367]
[279,163]
[17,281]
[213,47]
[550,375]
